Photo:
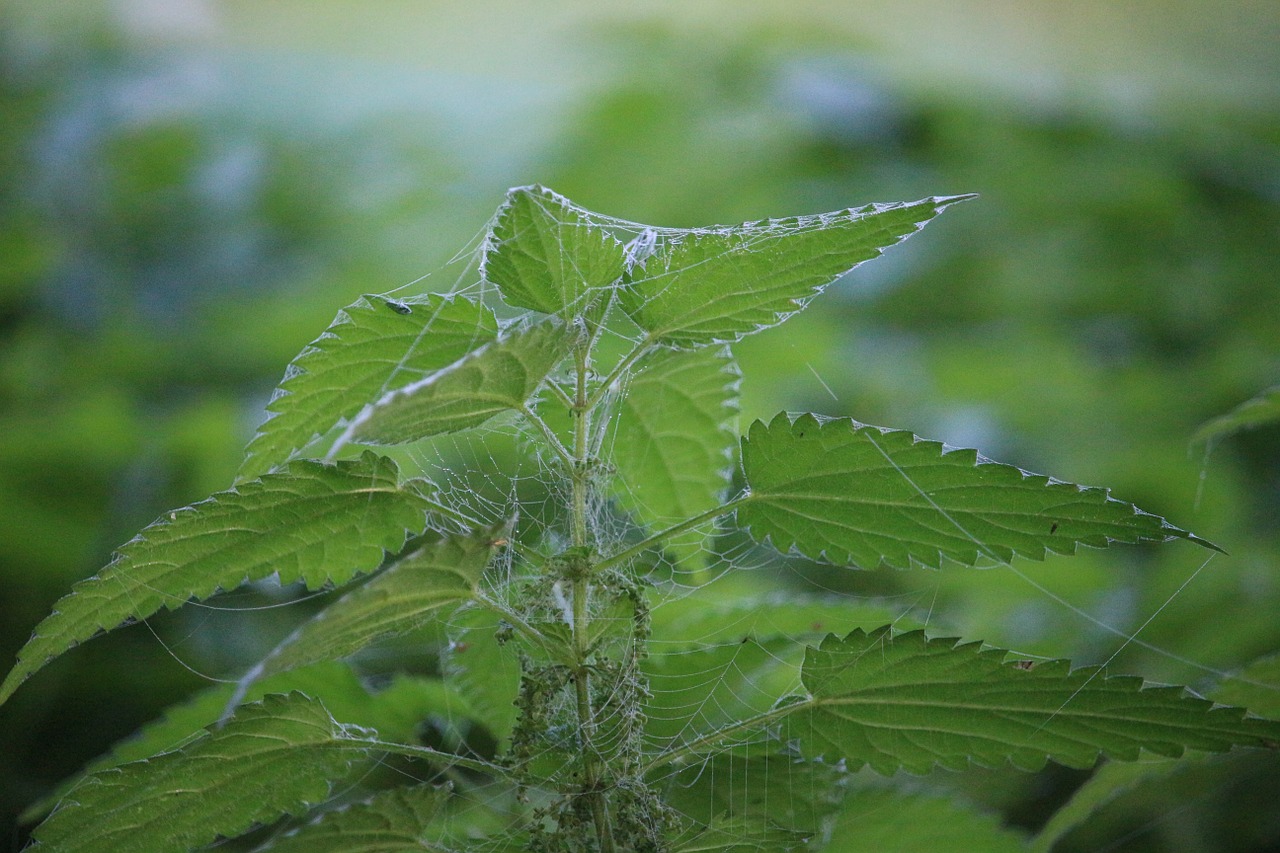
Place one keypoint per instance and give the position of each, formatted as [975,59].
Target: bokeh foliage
[172,231]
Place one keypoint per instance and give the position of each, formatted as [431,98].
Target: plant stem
[629,359]
[581,612]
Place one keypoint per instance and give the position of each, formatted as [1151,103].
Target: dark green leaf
[865,496]
[901,701]
[718,284]
[274,758]
[373,346]
[394,821]
[317,523]
[888,821]
[543,253]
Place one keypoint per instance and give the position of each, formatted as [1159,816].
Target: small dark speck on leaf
[399,307]
[1053,528]
[1024,664]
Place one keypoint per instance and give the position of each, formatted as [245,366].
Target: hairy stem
[581,615]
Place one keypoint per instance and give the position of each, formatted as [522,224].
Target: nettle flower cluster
[535,481]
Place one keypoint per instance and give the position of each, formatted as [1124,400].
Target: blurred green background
[190,189]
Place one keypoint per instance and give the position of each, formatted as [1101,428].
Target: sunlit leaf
[672,440]
[904,702]
[718,284]
[860,495]
[311,522]
[500,377]
[544,254]
[373,346]
[273,758]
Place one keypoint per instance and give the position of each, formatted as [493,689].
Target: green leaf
[1111,781]
[483,671]
[697,692]
[860,495]
[373,346]
[274,758]
[740,835]
[407,595]
[1259,411]
[901,701]
[396,713]
[394,821]
[718,284]
[795,795]
[889,821]
[672,441]
[500,377]
[723,612]
[318,523]
[544,254]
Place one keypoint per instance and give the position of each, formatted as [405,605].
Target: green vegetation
[576,723]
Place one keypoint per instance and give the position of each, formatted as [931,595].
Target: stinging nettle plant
[553,508]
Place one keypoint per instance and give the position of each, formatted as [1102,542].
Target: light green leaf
[394,821]
[485,673]
[1259,411]
[901,701]
[888,821]
[697,692]
[274,758]
[672,442]
[795,795]
[1256,687]
[373,346]
[405,596]
[498,378]
[740,835]
[544,254]
[715,285]
[860,495]
[313,522]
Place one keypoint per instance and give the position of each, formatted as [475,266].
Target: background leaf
[311,522]
[860,495]
[394,821]
[277,757]
[906,702]
[544,254]
[672,441]
[405,596]
[373,346]
[718,284]
[890,821]
[498,378]
[1258,411]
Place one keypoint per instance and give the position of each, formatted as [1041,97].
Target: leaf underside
[672,441]
[907,702]
[498,378]
[716,285]
[545,254]
[373,346]
[852,494]
[311,522]
[273,758]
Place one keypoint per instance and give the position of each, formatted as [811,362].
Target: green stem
[581,598]
[629,359]
[674,530]
[552,439]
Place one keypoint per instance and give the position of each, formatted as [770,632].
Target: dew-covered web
[729,617]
